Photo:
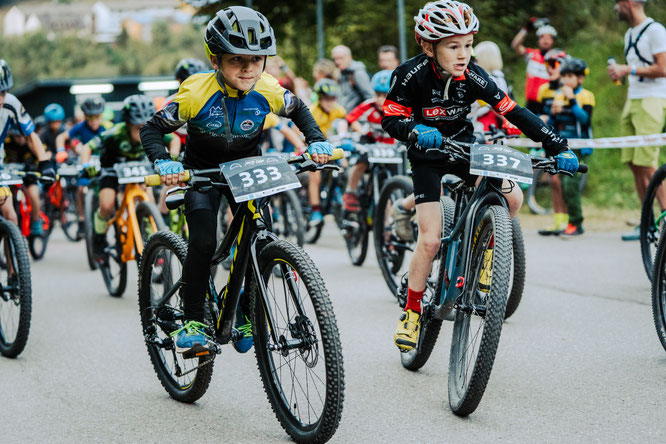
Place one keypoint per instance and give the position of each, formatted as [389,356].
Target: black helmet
[138,109]
[326,88]
[187,67]
[93,106]
[574,65]
[6,78]
[239,30]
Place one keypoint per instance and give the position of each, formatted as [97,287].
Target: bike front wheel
[299,356]
[113,268]
[16,293]
[653,218]
[69,216]
[90,202]
[480,311]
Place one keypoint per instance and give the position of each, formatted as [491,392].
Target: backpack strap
[632,44]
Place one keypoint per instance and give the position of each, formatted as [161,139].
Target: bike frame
[460,241]
[128,226]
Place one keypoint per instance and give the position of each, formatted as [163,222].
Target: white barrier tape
[605,142]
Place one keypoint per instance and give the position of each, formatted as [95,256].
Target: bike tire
[649,233]
[169,247]
[389,259]
[430,326]
[517,283]
[533,204]
[69,216]
[114,269]
[12,347]
[465,393]
[37,243]
[90,203]
[291,223]
[292,259]
[145,212]
[357,243]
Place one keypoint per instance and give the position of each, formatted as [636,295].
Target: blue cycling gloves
[320,148]
[567,161]
[168,166]
[347,144]
[429,137]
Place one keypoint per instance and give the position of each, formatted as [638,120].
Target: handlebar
[155,179]
[547,163]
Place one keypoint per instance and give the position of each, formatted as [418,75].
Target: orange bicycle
[134,221]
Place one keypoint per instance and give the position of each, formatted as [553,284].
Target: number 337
[259,175]
[502,160]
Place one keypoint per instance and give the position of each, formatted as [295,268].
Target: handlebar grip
[582,168]
[338,153]
[155,179]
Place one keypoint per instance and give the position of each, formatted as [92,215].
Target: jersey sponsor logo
[477,79]
[437,93]
[247,125]
[505,105]
[414,71]
[216,111]
[440,111]
[214,125]
[395,109]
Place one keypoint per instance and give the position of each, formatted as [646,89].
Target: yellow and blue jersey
[223,123]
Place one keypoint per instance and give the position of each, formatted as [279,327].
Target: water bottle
[611,61]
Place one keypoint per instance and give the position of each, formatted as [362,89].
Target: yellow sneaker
[407,333]
[486,275]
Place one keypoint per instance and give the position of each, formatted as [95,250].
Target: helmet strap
[444,74]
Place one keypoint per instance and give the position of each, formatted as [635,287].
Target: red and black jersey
[369,112]
[419,95]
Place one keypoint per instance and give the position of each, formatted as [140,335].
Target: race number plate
[255,177]
[384,153]
[502,162]
[133,172]
[7,178]
[68,170]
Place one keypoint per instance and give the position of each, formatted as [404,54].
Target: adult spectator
[354,81]
[536,69]
[387,57]
[643,113]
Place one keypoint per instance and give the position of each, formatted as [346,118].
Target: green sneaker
[243,325]
[191,340]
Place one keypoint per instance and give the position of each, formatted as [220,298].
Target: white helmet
[547,29]
[444,18]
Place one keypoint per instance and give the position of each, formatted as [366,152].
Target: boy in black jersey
[430,96]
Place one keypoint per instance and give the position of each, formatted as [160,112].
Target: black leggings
[201,210]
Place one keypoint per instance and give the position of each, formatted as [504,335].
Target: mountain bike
[295,332]
[471,288]
[384,161]
[659,291]
[134,221]
[652,219]
[15,280]
[60,201]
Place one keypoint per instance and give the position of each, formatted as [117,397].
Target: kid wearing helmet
[121,143]
[430,97]
[224,111]
[54,115]
[571,116]
[371,112]
[14,116]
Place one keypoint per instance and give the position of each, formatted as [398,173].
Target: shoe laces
[191,328]
[246,328]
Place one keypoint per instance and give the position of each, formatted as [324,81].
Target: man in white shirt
[645,109]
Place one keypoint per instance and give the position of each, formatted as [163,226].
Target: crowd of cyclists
[244,101]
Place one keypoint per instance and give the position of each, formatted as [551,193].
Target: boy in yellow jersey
[325,110]
[224,111]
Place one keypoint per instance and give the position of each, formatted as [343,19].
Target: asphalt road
[579,361]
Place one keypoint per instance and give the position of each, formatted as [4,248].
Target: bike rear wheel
[160,269]
[653,218]
[37,243]
[517,281]
[113,268]
[480,312]
[302,371]
[69,216]
[16,291]
[389,248]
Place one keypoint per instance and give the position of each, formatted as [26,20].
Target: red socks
[414,300]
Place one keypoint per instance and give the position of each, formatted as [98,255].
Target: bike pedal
[196,353]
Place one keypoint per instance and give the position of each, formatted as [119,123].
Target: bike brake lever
[328,167]
[178,189]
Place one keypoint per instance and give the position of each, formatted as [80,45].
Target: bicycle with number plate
[135,220]
[384,161]
[472,285]
[15,279]
[295,332]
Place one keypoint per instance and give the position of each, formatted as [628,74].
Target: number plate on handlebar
[259,176]
[132,172]
[502,162]
[384,153]
[8,178]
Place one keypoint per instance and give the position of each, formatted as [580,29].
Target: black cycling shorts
[427,179]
